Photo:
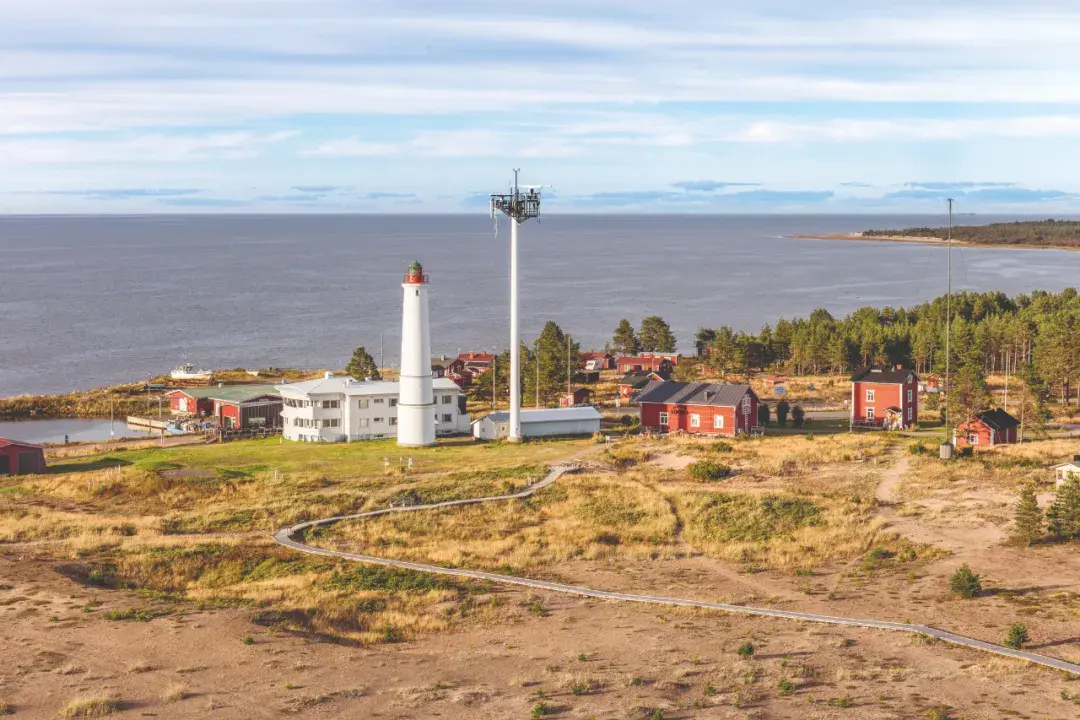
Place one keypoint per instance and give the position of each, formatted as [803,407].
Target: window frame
[665,419]
[718,422]
[871,395]
[870,414]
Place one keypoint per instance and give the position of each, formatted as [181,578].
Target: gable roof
[4,442]
[683,393]
[998,419]
[885,376]
[641,378]
[546,415]
[229,393]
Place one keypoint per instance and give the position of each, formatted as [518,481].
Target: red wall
[629,363]
[231,411]
[13,451]
[987,437]
[679,418]
[886,395]
[195,407]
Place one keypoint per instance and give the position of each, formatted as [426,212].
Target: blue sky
[619,105]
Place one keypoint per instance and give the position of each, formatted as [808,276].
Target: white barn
[341,409]
[540,423]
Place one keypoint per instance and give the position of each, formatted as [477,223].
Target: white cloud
[139,149]
[768,131]
[451,144]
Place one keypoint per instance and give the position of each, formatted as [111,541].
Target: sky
[297,106]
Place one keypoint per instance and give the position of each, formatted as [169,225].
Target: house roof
[1071,464]
[344,385]
[641,378]
[547,415]
[17,443]
[884,376]
[648,356]
[229,393]
[998,419]
[682,393]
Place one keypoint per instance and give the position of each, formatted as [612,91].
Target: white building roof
[344,385]
[529,417]
[1071,464]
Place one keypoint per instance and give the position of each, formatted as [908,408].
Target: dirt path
[890,482]
[287,537]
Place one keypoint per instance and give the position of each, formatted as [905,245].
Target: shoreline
[919,240]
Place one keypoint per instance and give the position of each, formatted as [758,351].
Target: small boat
[187,371]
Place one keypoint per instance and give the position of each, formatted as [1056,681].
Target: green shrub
[785,687]
[1017,636]
[746,650]
[722,447]
[916,448]
[708,470]
[965,583]
[798,416]
[782,410]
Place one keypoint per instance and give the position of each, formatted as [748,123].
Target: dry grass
[91,706]
[174,693]
[136,667]
[1002,468]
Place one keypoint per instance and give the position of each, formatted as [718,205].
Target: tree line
[1062,233]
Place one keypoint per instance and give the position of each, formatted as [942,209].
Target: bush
[916,448]
[965,583]
[965,452]
[746,651]
[1017,637]
[785,687]
[782,410]
[798,416]
[723,447]
[763,414]
[708,470]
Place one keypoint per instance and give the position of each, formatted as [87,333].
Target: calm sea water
[88,301]
[75,430]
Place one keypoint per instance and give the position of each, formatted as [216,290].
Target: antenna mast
[518,206]
[948,322]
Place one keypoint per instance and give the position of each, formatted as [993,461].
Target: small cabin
[1067,470]
[579,396]
[988,428]
[19,458]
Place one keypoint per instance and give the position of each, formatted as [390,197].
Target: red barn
[19,458]
[699,408]
[234,406]
[645,361]
[885,398]
[991,427]
[190,401]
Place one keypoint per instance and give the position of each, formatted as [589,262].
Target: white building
[417,426]
[341,409]
[540,423]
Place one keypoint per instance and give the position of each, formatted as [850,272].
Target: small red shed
[991,427]
[699,408]
[580,396]
[19,458]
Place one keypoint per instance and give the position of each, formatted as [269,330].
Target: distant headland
[1026,233]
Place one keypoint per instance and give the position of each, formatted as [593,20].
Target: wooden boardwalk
[289,538]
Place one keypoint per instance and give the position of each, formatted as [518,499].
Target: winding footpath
[288,537]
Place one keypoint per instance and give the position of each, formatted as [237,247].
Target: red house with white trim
[988,428]
[699,408]
[645,361]
[885,398]
[234,406]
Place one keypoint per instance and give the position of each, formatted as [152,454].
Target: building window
[393,421]
[378,420]
[718,422]
[446,399]
[973,438]
[393,402]
[746,403]
[695,420]
[870,411]
[447,418]
[379,401]
[330,404]
[909,414]
[363,403]
[664,419]
[869,396]
[364,422]
[909,395]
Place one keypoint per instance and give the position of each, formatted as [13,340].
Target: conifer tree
[625,340]
[1028,520]
[656,336]
[1064,515]
[362,365]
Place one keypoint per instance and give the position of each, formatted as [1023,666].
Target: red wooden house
[645,361]
[699,408]
[884,398]
[19,458]
[234,406]
[991,427]
[635,381]
[579,396]
[593,360]
[476,362]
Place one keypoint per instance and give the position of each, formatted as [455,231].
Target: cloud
[1000,193]
[208,202]
[114,193]
[704,202]
[916,129]
[138,149]
[855,185]
[322,189]
[305,198]
[450,144]
[709,185]
[389,196]
[957,185]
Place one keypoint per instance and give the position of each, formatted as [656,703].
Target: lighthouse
[416,402]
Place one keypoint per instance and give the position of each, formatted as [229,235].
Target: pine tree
[782,409]
[625,340]
[362,366]
[1028,519]
[1064,514]
[656,336]
[551,351]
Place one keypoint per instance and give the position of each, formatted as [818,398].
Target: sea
[92,301]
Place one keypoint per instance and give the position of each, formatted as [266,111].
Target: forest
[1046,233]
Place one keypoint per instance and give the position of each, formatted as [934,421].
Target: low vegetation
[964,583]
[1054,233]
[91,707]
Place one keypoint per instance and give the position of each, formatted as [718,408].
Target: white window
[447,418]
[909,414]
[973,438]
[664,418]
[870,412]
[718,422]
[363,403]
[695,420]
[746,403]
[378,420]
[364,422]
[393,402]
[393,421]
[446,399]
[869,397]
[329,404]
[909,395]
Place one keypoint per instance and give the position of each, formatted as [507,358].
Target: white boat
[187,371]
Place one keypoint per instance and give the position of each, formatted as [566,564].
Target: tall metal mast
[948,322]
[518,206]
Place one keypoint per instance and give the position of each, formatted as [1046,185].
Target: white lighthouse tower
[416,402]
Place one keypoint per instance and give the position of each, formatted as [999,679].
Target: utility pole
[948,323]
[1007,354]
[494,375]
[536,357]
[568,374]
[381,356]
